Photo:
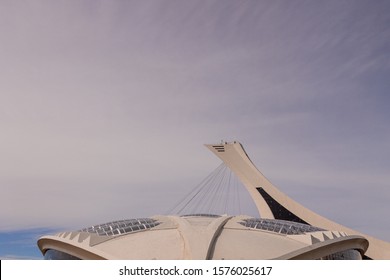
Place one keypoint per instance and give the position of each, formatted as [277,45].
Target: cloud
[105,105]
[19,257]
[21,244]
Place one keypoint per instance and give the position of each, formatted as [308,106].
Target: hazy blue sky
[105,105]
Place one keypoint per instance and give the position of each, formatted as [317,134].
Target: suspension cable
[218,193]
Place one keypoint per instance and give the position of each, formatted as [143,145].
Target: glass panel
[279,226]
[122,227]
[344,255]
[201,215]
[58,255]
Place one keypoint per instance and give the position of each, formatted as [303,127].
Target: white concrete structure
[274,204]
[286,230]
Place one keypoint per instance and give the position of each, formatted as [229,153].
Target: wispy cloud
[104,105]
[17,257]
[22,244]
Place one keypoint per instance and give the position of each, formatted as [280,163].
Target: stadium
[284,230]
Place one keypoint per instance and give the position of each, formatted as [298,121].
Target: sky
[105,107]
